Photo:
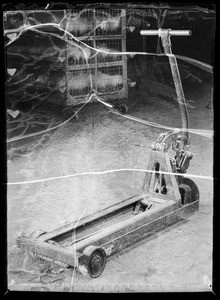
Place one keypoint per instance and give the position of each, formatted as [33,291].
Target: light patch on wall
[12,36]
[13,113]
[11,71]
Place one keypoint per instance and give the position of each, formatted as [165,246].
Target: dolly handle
[171,32]
[165,35]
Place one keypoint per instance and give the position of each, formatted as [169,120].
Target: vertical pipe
[144,49]
[144,43]
[66,12]
[96,59]
[124,57]
[165,37]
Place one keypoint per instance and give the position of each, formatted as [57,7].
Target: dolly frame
[166,197]
[113,238]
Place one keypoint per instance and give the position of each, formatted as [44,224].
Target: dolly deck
[111,230]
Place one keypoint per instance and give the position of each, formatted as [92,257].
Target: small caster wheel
[96,260]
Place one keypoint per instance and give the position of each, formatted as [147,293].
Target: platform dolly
[167,195]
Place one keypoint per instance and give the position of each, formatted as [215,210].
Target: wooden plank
[93,228]
[128,239]
[88,219]
[47,250]
[135,221]
[113,240]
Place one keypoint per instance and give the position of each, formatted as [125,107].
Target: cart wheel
[96,260]
[123,109]
[189,191]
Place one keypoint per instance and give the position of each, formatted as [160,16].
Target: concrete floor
[178,258]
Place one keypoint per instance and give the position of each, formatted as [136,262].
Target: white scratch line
[198,63]
[204,133]
[107,172]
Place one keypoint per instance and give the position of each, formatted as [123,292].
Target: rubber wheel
[96,263]
[189,191]
[186,194]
